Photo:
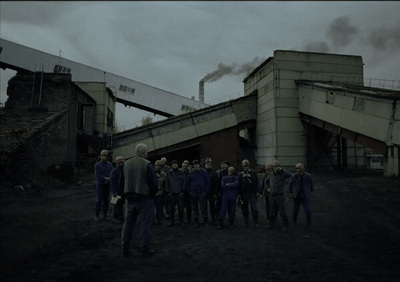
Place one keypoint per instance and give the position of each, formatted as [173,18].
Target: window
[110,118]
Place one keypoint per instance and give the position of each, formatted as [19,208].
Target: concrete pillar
[339,152]
[344,153]
[392,162]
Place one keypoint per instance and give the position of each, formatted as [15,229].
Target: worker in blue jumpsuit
[230,192]
[102,170]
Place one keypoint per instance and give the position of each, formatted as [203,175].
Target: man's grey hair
[141,150]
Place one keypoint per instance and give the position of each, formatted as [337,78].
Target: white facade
[280,133]
[127,91]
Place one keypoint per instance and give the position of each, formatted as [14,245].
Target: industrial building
[298,107]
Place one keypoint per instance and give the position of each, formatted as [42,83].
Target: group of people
[156,191]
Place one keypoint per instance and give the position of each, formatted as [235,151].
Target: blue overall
[102,170]
[230,192]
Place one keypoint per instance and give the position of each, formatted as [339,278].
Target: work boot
[270,224]
[294,219]
[105,216]
[180,216]
[97,217]
[172,223]
[231,222]
[246,222]
[221,224]
[205,220]
[125,251]
[212,221]
[146,252]
[285,224]
[255,220]
[309,221]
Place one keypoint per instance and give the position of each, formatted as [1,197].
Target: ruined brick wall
[39,90]
[49,146]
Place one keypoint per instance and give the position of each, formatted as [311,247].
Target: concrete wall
[105,106]
[365,112]
[280,133]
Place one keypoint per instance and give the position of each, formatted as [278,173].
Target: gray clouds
[173,45]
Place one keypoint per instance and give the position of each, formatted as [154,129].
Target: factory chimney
[201,91]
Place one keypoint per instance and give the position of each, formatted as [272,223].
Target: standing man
[265,193]
[198,184]
[223,171]
[158,199]
[212,193]
[188,205]
[300,187]
[275,183]
[141,185]
[175,185]
[248,190]
[117,189]
[166,169]
[230,192]
[102,170]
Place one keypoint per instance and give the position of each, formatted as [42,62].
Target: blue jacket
[248,182]
[295,184]
[175,182]
[230,187]
[116,186]
[102,170]
[198,181]
[213,181]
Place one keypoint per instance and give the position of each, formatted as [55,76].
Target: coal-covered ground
[49,234]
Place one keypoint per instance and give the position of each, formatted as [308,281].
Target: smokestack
[201,91]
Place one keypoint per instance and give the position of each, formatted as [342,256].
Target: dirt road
[50,235]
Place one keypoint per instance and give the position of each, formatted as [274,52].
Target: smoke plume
[340,32]
[234,69]
[383,38]
[320,47]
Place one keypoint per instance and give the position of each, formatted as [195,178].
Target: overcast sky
[174,45]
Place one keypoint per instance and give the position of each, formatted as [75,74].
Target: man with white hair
[140,187]
[102,170]
[300,187]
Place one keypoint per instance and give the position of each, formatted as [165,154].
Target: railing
[382,83]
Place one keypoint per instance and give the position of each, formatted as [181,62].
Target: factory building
[280,132]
